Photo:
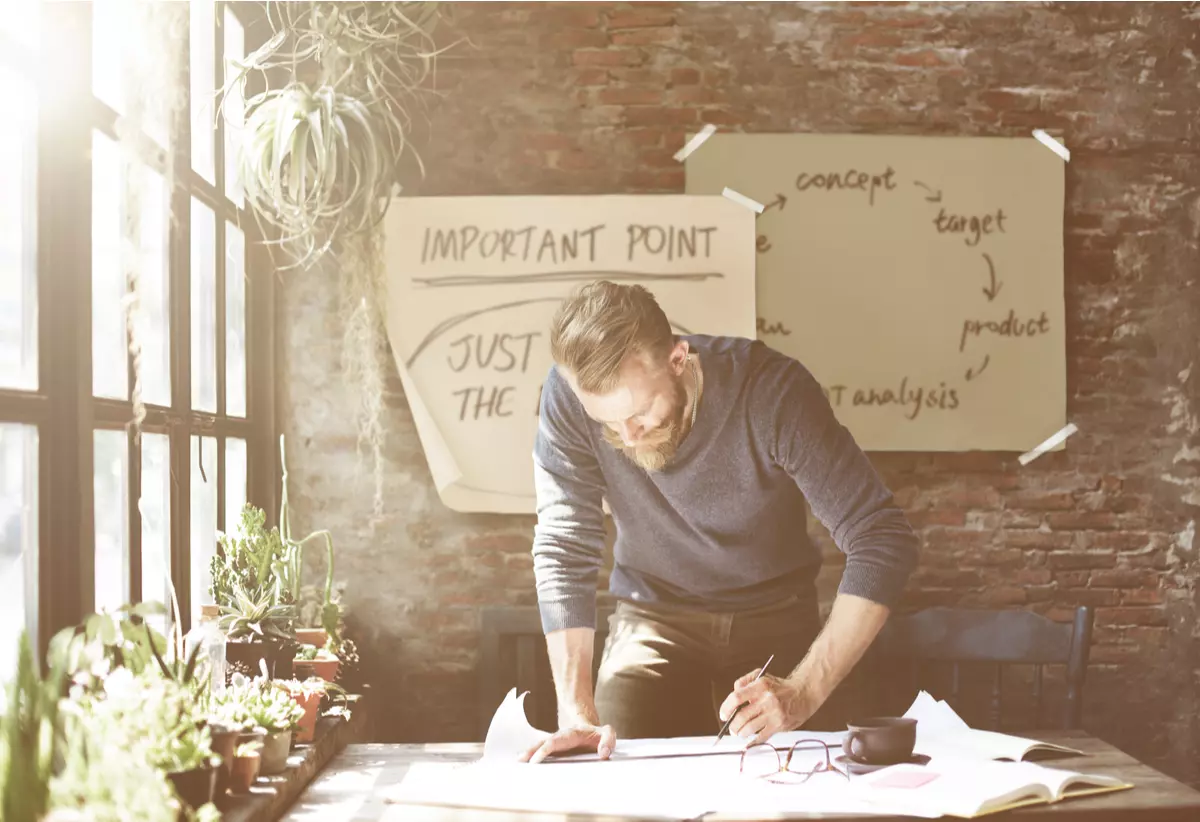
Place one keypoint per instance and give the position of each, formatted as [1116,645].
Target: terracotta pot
[312,636]
[245,771]
[327,669]
[195,787]
[224,742]
[308,723]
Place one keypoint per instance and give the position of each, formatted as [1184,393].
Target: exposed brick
[1068,560]
[640,17]
[575,39]
[1149,615]
[1087,596]
[1041,500]
[1124,578]
[644,37]
[924,59]
[1032,576]
[607,57]
[591,77]
[1037,539]
[631,96]
[936,516]
[1073,579]
[685,77]
[1141,596]
[1082,520]
[659,116]
[1002,595]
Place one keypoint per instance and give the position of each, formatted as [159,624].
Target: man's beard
[657,447]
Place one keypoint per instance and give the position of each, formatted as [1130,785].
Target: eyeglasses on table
[763,761]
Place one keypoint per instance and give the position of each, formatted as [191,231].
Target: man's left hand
[774,705]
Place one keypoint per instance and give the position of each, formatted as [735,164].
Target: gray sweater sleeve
[842,487]
[568,539]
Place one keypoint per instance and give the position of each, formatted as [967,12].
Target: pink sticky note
[904,779]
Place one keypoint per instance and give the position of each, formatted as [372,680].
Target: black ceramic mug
[880,740]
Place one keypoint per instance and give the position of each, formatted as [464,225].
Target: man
[705,449]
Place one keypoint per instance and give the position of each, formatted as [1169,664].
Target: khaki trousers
[665,672]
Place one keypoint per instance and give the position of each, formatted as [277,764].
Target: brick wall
[595,98]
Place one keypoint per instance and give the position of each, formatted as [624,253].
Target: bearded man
[706,449]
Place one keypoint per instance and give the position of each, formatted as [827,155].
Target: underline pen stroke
[457,280]
[457,319]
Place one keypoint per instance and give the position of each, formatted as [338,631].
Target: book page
[961,788]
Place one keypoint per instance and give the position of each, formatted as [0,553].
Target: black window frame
[62,407]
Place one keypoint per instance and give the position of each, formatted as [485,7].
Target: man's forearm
[852,626]
[570,652]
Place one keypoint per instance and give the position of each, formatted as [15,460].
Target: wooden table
[353,787]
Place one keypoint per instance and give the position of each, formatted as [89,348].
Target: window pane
[111,471]
[235,321]
[233,107]
[109,367]
[204,308]
[118,71]
[235,481]
[18,539]
[203,519]
[108,41]
[18,243]
[155,507]
[155,205]
[23,27]
[203,27]
[110,205]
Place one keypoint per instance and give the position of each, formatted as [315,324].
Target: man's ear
[678,358]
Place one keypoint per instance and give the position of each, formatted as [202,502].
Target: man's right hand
[580,738]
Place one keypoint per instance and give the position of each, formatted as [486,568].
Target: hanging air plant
[321,155]
[312,166]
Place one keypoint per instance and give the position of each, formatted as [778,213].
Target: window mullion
[66,570]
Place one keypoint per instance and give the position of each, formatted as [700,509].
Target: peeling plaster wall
[595,98]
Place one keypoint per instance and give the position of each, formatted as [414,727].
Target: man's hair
[601,324]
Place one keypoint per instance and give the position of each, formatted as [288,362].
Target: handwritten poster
[473,283]
[920,279]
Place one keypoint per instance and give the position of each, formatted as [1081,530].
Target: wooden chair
[512,654]
[1002,640]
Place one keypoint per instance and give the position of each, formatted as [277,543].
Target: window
[18,262]
[18,537]
[152,496]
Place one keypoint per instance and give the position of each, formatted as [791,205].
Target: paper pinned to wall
[920,279]
[473,283]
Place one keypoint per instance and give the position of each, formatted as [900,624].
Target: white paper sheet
[510,734]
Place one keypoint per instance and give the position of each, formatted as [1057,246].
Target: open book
[971,789]
[942,733]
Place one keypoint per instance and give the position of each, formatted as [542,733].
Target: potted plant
[30,737]
[246,763]
[320,662]
[258,631]
[315,627]
[307,694]
[258,703]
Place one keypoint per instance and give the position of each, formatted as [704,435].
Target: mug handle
[854,744]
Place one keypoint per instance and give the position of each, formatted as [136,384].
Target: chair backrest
[512,654]
[996,639]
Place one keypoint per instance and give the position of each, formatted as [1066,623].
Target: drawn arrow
[931,197]
[994,287]
[779,200]
[972,374]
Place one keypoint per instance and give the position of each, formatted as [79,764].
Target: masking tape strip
[1052,144]
[1054,440]
[742,199]
[695,142]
